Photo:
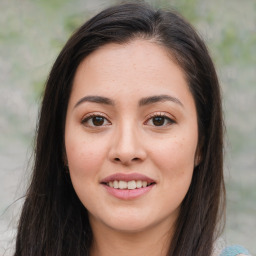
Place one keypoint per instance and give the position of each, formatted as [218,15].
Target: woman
[128,158]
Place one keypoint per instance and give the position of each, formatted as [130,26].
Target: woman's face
[131,136]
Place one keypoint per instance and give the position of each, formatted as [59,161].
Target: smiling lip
[127,177]
[127,194]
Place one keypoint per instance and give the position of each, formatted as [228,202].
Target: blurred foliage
[38,29]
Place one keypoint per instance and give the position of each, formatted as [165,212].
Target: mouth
[128,186]
[131,185]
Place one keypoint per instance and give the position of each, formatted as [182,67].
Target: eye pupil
[158,120]
[98,120]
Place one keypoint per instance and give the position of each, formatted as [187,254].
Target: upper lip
[127,177]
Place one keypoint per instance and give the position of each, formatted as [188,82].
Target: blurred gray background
[32,32]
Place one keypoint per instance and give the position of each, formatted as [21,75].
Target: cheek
[175,160]
[176,152]
[84,157]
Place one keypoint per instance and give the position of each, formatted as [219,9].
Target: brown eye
[95,121]
[158,120]
[98,120]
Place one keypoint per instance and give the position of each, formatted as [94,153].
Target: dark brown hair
[53,220]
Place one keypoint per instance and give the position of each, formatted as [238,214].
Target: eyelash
[169,120]
[90,117]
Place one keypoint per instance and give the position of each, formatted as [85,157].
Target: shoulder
[220,249]
[234,250]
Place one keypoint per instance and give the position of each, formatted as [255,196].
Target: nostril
[135,159]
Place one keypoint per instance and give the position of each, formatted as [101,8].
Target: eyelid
[162,114]
[90,115]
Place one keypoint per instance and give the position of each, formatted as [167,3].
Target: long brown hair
[53,220]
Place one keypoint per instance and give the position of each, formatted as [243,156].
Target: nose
[127,146]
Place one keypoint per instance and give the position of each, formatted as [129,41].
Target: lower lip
[127,194]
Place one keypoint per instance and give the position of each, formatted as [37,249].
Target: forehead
[140,66]
[142,55]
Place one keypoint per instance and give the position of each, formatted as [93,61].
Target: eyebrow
[159,98]
[142,102]
[95,99]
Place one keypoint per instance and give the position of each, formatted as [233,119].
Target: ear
[198,154]
[197,159]
[64,157]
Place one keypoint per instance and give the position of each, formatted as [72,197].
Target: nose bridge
[126,138]
[127,146]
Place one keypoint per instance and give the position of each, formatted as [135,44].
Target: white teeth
[127,185]
[139,183]
[132,184]
[122,184]
[144,184]
[116,184]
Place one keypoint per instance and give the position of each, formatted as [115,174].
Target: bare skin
[131,113]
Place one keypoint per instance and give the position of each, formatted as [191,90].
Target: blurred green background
[32,32]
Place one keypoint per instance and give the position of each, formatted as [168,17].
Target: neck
[151,242]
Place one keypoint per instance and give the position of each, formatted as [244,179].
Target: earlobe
[198,156]
[64,157]
[65,161]
[197,159]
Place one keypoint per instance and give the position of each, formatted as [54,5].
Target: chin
[132,226]
[123,221]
